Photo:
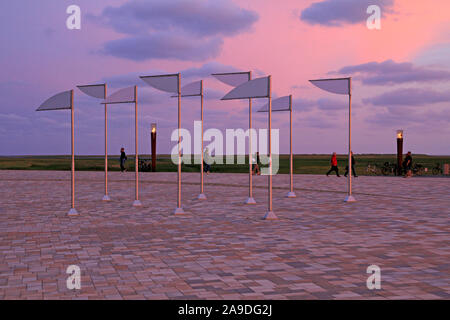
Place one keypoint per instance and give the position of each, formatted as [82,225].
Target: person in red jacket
[334,165]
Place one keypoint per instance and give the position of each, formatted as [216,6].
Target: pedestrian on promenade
[334,165]
[353,167]
[123,158]
[407,165]
[256,163]
[207,161]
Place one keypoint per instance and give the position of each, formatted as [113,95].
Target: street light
[153,134]
[399,151]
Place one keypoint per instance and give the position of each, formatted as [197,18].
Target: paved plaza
[319,248]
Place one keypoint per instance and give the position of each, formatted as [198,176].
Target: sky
[401,73]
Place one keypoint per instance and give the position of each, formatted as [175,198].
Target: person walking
[256,162]
[123,158]
[334,165]
[207,162]
[353,167]
[407,165]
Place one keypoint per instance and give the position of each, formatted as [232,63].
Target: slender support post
[350,197]
[270,215]
[136,202]
[72,211]
[250,199]
[106,196]
[291,193]
[179,210]
[202,195]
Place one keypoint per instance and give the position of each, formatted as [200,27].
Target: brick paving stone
[319,248]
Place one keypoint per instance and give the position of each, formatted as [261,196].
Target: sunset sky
[401,73]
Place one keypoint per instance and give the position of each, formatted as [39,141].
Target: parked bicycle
[437,170]
[389,169]
[145,165]
[418,169]
[372,170]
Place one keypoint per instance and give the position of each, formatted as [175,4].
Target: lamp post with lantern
[399,151]
[153,133]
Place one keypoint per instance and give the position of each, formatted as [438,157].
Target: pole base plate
[250,200]
[137,203]
[201,196]
[73,212]
[291,195]
[349,198]
[178,211]
[106,198]
[270,216]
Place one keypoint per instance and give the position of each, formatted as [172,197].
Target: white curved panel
[192,89]
[258,88]
[125,95]
[95,91]
[59,101]
[338,86]
[233,79]
[167,83]
[280,104]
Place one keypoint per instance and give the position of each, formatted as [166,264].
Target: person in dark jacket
[353,167]
[256,164]
[334,165]
[123,158]
[407,165]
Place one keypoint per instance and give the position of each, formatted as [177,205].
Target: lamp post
[153,147]
[399,151]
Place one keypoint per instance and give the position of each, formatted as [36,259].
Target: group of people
[207,162]
[406,165]
[334,166]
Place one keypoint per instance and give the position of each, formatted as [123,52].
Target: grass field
[303,164]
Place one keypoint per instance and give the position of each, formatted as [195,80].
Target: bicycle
[437,170]
[145,165]
[418,169]
[372,170]
[388,169]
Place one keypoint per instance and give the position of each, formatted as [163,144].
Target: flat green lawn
[303,164]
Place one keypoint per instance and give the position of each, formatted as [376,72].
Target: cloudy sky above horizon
[401,73]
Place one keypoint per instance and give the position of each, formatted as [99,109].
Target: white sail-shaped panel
[94,91]
[338,86]
[233,79]
[280,104]
[258,88]
[60,101]
[167,83]
[126,95]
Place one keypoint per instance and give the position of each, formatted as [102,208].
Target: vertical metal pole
[350,138]
[73,151]
[73,211]
[179,209]
[290,145]
[136,202]
[106,196]
[201,106]
[350,197]
[270,145]
[179,144]
[106,149]
[250,199]
[270,215]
